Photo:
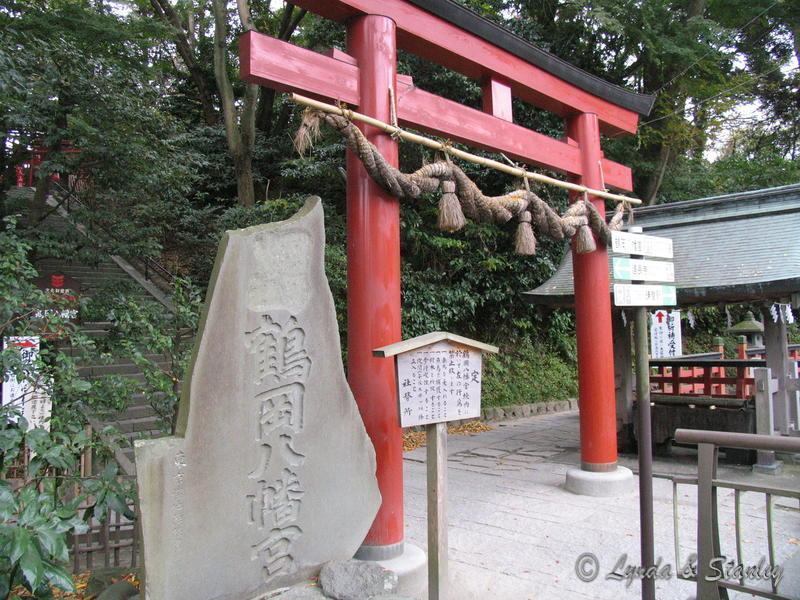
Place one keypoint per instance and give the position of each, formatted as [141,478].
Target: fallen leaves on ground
[416,439]
[81,581]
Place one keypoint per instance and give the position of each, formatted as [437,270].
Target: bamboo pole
[437,145]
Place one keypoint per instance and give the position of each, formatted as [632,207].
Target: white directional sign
[635,269]
[631,294]
[665,334]
[643,245]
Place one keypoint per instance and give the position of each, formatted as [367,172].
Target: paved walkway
[515,532]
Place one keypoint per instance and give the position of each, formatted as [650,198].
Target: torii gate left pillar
[373,282]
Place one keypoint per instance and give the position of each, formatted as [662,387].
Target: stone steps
[120,368]
[138,419]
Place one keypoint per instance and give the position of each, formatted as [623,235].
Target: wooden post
[708,389]
[707,531]
[437,510]
[497,99]
[777,351]
[645,451]
[719,342]
[765,425]
[647,535]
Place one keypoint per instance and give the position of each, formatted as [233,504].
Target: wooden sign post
[438,380]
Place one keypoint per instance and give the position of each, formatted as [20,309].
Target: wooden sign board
[438,380]
[634,269]
[438,383]
[630,294]
[64,289]
[643,245]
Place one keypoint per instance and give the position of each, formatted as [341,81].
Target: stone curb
[520,411]
[493,414]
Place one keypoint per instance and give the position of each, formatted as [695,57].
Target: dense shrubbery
[531,372]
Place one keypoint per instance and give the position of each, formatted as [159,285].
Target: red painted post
[598,424]
[676,380]
[719,371]
[373,283]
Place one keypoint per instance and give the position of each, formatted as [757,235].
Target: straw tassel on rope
[584,240]
[451,218]
[525,243]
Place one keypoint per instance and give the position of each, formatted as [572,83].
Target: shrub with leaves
[47,501]
[141,328]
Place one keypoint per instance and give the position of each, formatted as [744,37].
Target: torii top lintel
[287,67]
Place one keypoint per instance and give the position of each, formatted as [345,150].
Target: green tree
[699,58]
[80,84]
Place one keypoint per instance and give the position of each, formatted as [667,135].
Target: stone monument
[271,472]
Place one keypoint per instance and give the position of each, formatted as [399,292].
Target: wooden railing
[708,549]
[711,374]
[717,378]
[110,543]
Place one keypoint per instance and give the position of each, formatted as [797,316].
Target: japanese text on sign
[665,334]
[440,382]
[643,245]
[642,270]
[626,294]
[31,395]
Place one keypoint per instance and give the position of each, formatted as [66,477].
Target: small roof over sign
[426,340]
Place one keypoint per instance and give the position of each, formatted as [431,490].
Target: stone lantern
[751,328]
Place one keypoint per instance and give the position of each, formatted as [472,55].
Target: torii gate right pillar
[599,474]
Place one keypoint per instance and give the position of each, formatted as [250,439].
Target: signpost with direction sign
[639,269]
[642,270]
[438,380]
[638,244]
[644,295]
[656,292]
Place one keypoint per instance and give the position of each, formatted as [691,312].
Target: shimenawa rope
[461,198]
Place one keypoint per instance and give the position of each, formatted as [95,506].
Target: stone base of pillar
[411,567]
[768,464]
[618,482]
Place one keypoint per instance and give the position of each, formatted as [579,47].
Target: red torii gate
[447,34]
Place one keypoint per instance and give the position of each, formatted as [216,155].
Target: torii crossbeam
[446,33]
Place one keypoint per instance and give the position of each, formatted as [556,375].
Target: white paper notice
[438,383]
